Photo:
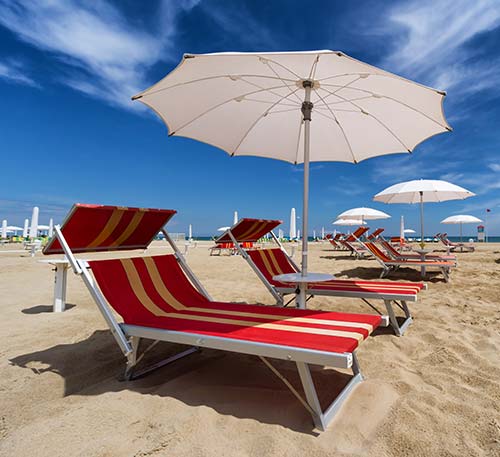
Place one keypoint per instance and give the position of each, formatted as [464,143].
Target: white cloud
[494,166]
[105,54]
[432,39]
[12,71]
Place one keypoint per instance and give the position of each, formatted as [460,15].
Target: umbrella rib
[378,120]
[218,106]
[340,127]
[270,91]
[374,94]
[208,78]
[257,121]
[266,60]
[277,75]
[314,66]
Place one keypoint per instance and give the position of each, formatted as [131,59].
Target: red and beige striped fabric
[155,292]
[90,228]
[374,249]
[249,230]
[272,262]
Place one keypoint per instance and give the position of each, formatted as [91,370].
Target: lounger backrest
[375,234]
[249,230]
[145,286]
[90,228]
[271,262]
[360,231]
[377,252]
[389,247]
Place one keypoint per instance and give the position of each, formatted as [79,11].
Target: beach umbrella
[363,214]
[322,233]
[402,228]
[25,229]
[293,223]
[13,228]
[34,223]
[422,191]
[51,227]
[235,217]
[190,232]
[410,231]
[223,229]
[4,228]
[349,222]
[461,219]
[239,101]
[43,227]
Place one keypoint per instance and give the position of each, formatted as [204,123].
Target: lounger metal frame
[279,293]
[128,338]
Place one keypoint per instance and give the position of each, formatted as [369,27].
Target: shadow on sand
[407,274]
[232,384]
[38,309]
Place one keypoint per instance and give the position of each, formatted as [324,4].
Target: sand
[433,392]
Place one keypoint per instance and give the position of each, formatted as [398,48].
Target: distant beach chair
[160,299]
[395,254]
[352,243]
[389,264]
[271,262]
[453,247]
[220,248]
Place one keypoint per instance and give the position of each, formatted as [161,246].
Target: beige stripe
[169,298]
[266,263]
[288,328]
[160,286]
[249,231]
[274,261]
[136,219]
[137,287]
[113,221]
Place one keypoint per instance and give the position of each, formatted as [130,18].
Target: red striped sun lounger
[389,265]
[271,262]
[159,298]
[396,255]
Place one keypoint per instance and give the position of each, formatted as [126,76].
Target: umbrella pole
[422,243]
[307,107]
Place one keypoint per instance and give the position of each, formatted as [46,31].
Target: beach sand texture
[433,392]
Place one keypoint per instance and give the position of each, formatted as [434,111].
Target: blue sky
[71,134]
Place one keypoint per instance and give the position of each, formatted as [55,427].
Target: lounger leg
[132,357]
[322,419]
[398,330]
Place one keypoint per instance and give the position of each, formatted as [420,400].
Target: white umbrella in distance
[348,222]
[410,231]
[34,223]
[223,229]
[235,217]
[422,191]
[239,101]
[4,228]
[293,224]
[363,214]
[461,219]
[26,228]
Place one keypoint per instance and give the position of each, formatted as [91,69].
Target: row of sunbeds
[159,298]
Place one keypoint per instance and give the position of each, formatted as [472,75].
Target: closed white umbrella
[402,228]
[293,222]
[239,101]
[422,191]
[322,233]
[190,232]
[461,219]
[34,223]
[4,228]
[25,229]
[51,227]
[235,217]
[363,214]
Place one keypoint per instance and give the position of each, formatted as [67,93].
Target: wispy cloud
[432,38]
[103,53]
[495,167]
[13,71]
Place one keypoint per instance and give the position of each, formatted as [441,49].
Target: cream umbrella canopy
[363,214]
[422,191]
[461,219]
[239,101]
[349,222]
